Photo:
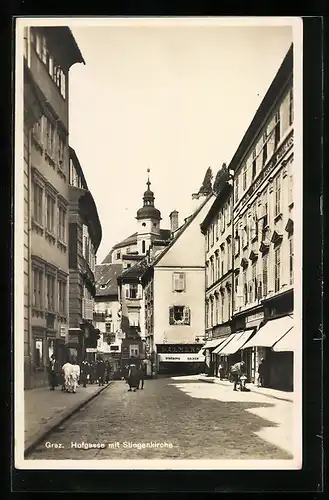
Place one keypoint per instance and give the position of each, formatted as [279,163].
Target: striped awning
[237,343]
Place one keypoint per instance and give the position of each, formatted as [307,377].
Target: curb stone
[34,441]
[252,389]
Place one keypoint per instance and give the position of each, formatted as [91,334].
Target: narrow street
[184,419]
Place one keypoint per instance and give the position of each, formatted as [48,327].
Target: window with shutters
[62,297]
[291,107]
[245,287]
[38,288]
[179,281]
[212,312]
[291,259]
[62,224]
[277,269]
[50,138]
[264,148]
[207,315]
[217,266]
[277,130]
[223,306]
[254,280]
[244,177]
[132,291]
[50,295]
[236,194]
[253,168]
[216,309]
[277,195]
[134,350]
[60,151]
[179,315]
[38,203]
[265,274]
[50,219]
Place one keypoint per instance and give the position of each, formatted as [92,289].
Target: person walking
[100,371]
[142,373]
[237,370]
[84,372]
[52,370]
[261,373]
[133,378]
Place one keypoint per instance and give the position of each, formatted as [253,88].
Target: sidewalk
[271,393]
[45,409]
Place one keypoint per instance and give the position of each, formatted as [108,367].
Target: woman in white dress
[75,375]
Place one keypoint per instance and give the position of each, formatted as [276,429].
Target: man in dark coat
[100,371]
[142,373]
[261,373]
[236,371]
[133,377]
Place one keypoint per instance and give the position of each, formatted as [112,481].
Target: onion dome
[148,210]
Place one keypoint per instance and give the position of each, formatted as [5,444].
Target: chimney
[173,221]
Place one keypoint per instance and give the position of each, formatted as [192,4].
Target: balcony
[88,309]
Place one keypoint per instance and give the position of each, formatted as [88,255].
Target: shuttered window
[179,315]
[265,275]
[179,282]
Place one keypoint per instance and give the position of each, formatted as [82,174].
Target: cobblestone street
[194,419]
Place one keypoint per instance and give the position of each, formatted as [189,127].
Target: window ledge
[38,143]
[50,236]
[50,159]
[38,311]
[36,225]
[278,217]
[62,245]
[61,172]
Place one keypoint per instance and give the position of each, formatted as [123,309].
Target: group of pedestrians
[135,375]
[74,374]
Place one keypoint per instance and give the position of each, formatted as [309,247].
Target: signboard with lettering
[184,357]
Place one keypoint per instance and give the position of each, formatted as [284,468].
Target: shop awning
[288,342]
[238,341]
[224,343]
[271,332]
[210,344]
[179,358]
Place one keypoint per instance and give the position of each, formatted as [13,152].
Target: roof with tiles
[106,279]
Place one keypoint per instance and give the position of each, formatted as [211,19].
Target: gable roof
[106,274]
[134,271]
[180,231]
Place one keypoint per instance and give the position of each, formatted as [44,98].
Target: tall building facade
[263,232]
[49,52]
[174,289]
[85,234]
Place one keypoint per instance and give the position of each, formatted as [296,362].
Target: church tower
[148,219]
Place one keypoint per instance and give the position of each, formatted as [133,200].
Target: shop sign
[62,331]
[91,349]
[259,316]
[189,358]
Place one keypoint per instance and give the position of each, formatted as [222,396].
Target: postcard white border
[20,461]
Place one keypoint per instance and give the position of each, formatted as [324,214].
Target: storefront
[181,364]
[209,350]
[278,363]
[230,352]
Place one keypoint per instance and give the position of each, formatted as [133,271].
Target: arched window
[143,246]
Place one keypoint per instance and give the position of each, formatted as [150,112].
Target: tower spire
[148,179]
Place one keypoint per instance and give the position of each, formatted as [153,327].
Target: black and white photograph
[158,243]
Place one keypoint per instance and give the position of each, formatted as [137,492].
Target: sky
[174,99]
